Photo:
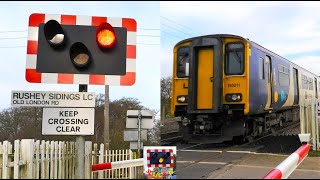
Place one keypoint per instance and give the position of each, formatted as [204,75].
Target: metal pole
[313,124]
[106,118]
[163,114]
[139,132]
[317,124]
[80,146]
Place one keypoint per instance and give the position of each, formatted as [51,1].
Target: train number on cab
[234,85]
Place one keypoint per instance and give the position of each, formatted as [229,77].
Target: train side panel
[290,84]
[258,85]
[266,67]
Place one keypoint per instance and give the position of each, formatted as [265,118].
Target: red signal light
[105,35]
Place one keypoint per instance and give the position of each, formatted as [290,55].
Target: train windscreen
[234,59]
[182,60]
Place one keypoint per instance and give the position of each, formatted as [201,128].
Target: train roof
[248,40]
[277,55]
[212,36]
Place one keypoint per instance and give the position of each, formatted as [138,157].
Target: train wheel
[249,138]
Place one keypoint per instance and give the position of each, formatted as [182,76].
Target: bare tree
[25,122]
[166,86]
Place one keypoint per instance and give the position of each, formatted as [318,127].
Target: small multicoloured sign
[159,162]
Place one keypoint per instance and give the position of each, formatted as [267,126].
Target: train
[228,88]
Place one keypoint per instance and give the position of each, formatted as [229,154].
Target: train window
[234,61]
[310,84]
[182,60]
[304,80]
[283,75]
[283,69]
[286,70]
[283,79]
[261,68]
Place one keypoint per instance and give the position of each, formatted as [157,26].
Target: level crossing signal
[68,49]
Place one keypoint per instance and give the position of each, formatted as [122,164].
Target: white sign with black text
[68,121]
[134,145]
[132,135]
[52,99]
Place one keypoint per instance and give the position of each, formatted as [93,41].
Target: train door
[296,86]
[205,77]
[269,82]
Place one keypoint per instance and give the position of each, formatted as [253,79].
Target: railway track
[286,131]
[283,140]
[170,138]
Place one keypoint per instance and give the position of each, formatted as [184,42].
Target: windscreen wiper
[237,56]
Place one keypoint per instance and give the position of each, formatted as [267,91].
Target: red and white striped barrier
[284,169]
[117,165]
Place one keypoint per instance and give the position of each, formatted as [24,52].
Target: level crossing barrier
[118,164]
[286,167]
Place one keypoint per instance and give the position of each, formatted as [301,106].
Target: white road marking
[186,161]
[256,153]
[246,166]
[265,167]
[192,150]
[221,163]
[191,146]
[246,152]
[270,154]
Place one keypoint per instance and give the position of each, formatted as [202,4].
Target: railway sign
[52,99]
[132,135]
[134,145]
[68,121]
[70,49]
[159,161]
[146,119]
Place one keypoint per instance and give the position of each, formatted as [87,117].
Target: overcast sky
[290,29]
[15,15]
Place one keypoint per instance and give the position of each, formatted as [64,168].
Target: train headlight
[236,97]
[182,99]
